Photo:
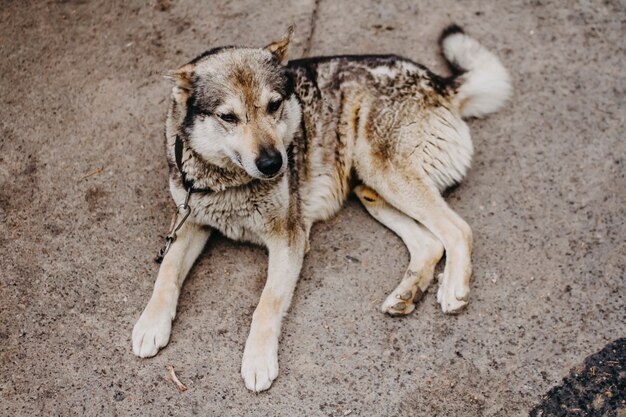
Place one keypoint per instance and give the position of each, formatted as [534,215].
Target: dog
[260,148]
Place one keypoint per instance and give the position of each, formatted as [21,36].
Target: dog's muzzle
[269,162]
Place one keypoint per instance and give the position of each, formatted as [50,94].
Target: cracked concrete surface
[84,205]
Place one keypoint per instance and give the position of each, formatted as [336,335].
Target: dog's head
[236,106]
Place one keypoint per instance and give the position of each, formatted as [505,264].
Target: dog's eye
[228,118]
[273,106]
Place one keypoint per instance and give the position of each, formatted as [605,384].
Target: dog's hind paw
[151,333]
[401,301]
[452,297]
[259,367]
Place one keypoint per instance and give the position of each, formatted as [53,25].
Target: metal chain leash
[182,210]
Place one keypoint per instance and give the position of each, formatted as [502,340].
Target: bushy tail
[483,84]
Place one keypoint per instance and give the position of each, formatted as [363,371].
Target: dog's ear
[279,48]
[182,78]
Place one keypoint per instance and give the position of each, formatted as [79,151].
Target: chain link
[183,211]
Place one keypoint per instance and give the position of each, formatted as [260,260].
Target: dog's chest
[240,213]
[235,216]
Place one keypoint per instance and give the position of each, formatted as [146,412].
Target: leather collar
[187,183]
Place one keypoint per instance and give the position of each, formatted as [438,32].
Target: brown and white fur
[283,144]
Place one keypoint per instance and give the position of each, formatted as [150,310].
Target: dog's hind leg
[425,250]
[153,328]
[416,197]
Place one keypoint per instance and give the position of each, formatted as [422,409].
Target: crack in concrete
[312,25]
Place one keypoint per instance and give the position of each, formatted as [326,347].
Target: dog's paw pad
[400,309]
[405,296]
[151,333]
[401,302]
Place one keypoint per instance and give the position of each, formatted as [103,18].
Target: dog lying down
[260,149]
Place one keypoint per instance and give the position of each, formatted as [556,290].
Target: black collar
[187,183]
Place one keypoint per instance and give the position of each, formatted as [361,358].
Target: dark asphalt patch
[595,388]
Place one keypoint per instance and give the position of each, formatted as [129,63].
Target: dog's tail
[482,84]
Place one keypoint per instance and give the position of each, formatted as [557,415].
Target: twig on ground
[174,378]
[91,173]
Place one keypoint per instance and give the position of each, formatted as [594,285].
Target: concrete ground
[84,205]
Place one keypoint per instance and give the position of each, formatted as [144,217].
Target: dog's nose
[269,161]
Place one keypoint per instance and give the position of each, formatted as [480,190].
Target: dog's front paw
[452,296]
[151,332]
[259,366]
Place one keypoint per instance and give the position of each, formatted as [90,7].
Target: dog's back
[409,114]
